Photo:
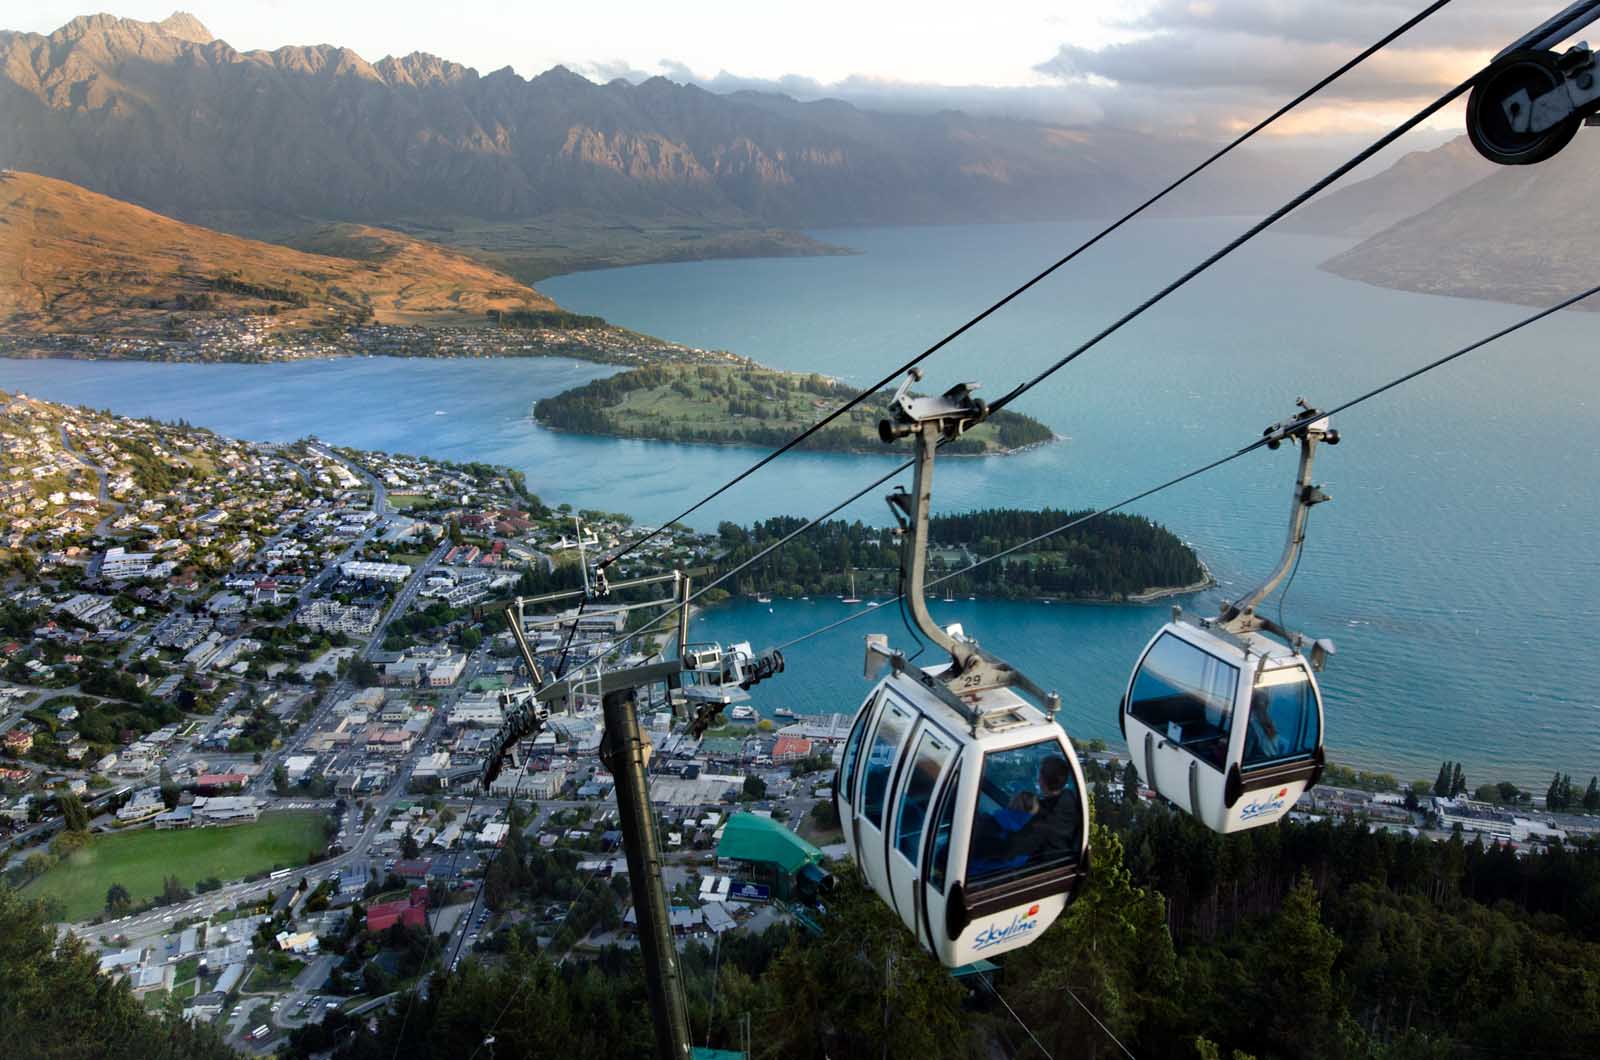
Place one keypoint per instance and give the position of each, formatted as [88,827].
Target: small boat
[785,712]
[763,598]
[852,598]
[742,713]
[439,412]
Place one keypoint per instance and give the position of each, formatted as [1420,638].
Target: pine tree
[1441,786]
[1458,781]
[1552,795]
[1591,798]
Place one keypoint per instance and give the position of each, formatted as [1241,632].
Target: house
[302,942]
[413,868]
[19,741]
[412,911]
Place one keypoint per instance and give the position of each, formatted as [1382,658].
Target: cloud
[1486,26]
[1201,67]
[1055,103]
[1220,63]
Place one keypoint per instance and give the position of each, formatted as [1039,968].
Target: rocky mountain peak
[185,26]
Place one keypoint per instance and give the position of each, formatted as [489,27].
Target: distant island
[747,404]
[1114,558]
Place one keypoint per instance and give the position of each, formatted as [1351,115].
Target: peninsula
[747,404]
[90,276]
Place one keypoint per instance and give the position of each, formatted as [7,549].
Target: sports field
[141,860]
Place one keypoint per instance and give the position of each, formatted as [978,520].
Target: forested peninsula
[1115,557]
[747,404]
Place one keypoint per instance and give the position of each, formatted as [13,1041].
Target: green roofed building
[775,856]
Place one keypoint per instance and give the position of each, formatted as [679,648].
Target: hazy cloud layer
[1204,67]
[1360,22]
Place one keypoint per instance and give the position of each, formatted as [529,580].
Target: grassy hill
[749,405]
[75,261]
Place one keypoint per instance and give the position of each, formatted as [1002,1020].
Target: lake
[1455,567]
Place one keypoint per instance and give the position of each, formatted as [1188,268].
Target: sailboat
[852,598]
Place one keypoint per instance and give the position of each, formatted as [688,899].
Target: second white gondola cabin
[975,833]
[1227,727]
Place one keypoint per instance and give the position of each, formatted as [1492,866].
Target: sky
[1200,66]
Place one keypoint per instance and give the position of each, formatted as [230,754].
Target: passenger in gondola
[1054,830]
[1261,739]
[995,837]
[1020,813]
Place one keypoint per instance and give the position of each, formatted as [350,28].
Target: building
[413,869]
[773,857]
[433,770]
[19,741]
[302,942]
[329,616]
[412,911]
[791,749]
[226,809]
[477,709]
[177,817]
[298,767]
[389,742]
[379,572]
[118,564]
[214,782]
[145,804]
[1494,823]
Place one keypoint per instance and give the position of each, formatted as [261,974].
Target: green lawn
[276,972]
[402,501]
[140,860]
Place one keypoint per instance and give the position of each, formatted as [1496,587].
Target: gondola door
[931,758]
[881,761]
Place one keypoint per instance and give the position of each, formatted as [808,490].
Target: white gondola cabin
[974,831]
[962,802]
[1228,728]
[1223,720]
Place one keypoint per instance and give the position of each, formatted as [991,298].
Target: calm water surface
[1455,567]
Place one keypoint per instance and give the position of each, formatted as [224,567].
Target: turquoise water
[1455,568]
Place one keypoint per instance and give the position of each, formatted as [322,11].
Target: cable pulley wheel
[1490,129]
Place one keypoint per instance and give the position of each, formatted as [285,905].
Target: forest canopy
[1107,558]
[750,405]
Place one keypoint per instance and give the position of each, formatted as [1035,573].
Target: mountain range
[263,142]
[556,173]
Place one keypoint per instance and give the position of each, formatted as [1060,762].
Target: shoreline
[1150,596]
[885,451]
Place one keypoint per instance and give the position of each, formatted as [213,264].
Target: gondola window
[939,862]
[1283,717]
[1029,815]
[925,770]
[880,761]
[847,767]
[1187,695]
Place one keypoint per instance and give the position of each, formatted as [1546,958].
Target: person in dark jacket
[1053,833]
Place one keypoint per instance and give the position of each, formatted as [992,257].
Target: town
[260,338]
[259,683]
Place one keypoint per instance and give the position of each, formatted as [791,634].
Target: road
[103,527]
[344,686]
[296,1008]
